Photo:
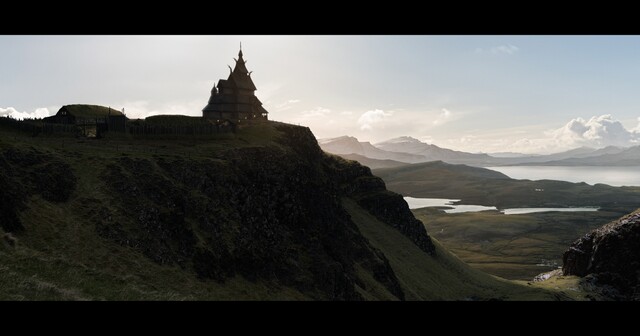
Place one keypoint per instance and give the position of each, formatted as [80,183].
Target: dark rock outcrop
[609,255]
[266,213]
[271,214]
[29,172]
[370,192]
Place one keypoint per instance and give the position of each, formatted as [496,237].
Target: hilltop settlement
[232,103]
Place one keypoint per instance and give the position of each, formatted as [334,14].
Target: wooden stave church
[233,99]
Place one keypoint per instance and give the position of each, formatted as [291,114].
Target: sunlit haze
[529,94]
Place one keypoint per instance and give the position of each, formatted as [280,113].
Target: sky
[528,94]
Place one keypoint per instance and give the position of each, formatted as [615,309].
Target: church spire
[240,67]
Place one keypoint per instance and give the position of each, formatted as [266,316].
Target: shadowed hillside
[261,214]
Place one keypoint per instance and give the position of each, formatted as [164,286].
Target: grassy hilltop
[259,214]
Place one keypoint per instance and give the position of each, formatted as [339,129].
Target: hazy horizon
[526,94]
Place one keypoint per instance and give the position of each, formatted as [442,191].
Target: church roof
[240,75]
[235,94]
[242,81]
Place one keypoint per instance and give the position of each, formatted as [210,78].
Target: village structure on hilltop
[232,103]
[234,99]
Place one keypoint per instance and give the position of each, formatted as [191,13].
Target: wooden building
[90,120]
[233,100]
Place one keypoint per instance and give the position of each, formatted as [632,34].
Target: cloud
[637,129]
[142,108]
[596,132]
[316,112]
[443,117]
[13,113]
[371,118]
[426,138]
[505,49]
[600,131]
[287,104]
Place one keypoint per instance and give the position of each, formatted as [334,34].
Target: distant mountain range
[350,145]
[432,152]
[609,156]
[405,150]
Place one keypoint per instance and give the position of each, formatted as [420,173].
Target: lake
[614,176]
[521,211]
[416,203]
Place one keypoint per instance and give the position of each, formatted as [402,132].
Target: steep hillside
[439,170]
[261,214]
[609,258]
[372,163]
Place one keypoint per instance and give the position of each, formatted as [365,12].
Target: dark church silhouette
[233,99]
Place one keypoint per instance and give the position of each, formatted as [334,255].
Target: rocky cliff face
[370,192]
[263,213]
[271,213]
[609,256]
[26,173]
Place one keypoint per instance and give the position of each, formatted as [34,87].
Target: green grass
[511,246]
[118,145]
[508,246]
[443,277]
[91,111]
[59,256]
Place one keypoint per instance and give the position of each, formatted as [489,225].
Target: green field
[443,277]
[513,246]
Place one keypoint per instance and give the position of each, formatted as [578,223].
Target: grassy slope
[511,246]
[372,163]
[508,246]
[90,111]
[59,256]
[443,277]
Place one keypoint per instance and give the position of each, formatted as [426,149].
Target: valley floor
[517,247]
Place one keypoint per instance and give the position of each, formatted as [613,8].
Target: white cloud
[287,104]
[369,119]
[13,113]
[508,49]
[598,131]
[505,49]
[637,129]
[426,138]
[444,117]
[142,108]
[316,112]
